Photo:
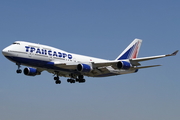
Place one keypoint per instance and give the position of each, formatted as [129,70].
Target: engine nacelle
[84,68]
[31,71]
[123,65]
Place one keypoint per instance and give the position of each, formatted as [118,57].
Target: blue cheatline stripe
[36,63]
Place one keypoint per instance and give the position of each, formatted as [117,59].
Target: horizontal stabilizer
[146,66]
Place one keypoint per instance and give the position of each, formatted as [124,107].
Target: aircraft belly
[35,63]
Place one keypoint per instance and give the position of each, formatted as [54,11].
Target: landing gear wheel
[71,81]
[82,81]
[56,78]
[58,82]
[19,71]
[68,80]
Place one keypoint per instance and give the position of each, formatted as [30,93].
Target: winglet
[173,54]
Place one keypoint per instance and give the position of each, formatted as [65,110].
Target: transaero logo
[47,52]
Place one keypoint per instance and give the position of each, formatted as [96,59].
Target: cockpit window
[16,43]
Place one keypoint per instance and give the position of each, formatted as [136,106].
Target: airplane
[40,57]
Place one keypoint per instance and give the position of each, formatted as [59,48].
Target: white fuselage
[44,57]
[39,58]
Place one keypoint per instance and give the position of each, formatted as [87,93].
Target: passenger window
[16,43]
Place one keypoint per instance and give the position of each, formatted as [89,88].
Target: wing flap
[100,70]
[68,65]
[104,63]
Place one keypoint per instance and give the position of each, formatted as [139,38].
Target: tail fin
[131,51]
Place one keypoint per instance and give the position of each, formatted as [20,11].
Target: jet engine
[84,68]
[31,71]
[123,65]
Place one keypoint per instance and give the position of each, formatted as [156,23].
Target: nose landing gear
[18,70]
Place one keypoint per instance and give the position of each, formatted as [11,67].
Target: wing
[73,65]
[101,67]
[97,68]
[134,62]
[66,65]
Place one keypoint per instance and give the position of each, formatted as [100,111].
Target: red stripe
[134,55]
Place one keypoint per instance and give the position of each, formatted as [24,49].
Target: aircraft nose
[5,51]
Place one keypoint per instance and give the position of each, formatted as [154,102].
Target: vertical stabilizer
[131,51]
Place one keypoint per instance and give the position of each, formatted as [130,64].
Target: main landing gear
[73,79]
[80,79]
[18,70]
[57,81]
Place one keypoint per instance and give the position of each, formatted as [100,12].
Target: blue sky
[98,28]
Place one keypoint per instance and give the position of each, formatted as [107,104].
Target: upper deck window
[16,43]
